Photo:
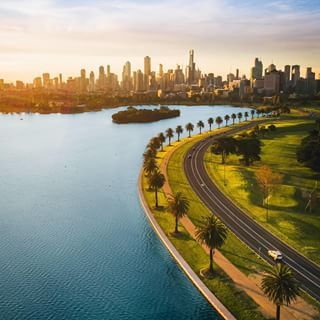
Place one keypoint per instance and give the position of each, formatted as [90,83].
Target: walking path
[251,285]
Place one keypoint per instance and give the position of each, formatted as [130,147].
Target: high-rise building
[92,82]
[37,83]
[237,74]
[101,79]
[126,77]
[83,81]
[295,76]
[310,81]
[147,72]
[178,76]
[191,68]
[46,80]
[287,71]
[160,70]
[60,81]
[256,71]
[138,81]
[272,82]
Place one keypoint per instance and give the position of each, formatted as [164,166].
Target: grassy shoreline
[222,286]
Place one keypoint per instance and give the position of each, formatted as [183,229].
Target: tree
[226,118]
[213,233]
[224,146]
[189,128]
[250,149]
[149,166]
[154,143]
[179,131]
[156,182]
[162,139]
[280,286]
[239,116]
[210,123]
[252,114]
[169,134]
[268,182]
[308,153]
[219,121]
[200,125]
[234,117]
[258,113]
[179,207]
[149,153]
[246,115]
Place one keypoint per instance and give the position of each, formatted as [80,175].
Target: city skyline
[65,36]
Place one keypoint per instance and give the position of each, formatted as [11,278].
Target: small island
[133,115]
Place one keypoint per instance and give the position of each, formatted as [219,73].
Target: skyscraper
[256,71]
[191,68]
[83,81]
[46,80]
[101,80]
[147,72]
[126,77]
[92,82]
[287,70]
[295,74]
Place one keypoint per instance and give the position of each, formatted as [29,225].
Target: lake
[74,240]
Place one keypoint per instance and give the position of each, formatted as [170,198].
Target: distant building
[272,83]
[92,82]
[147,72]
[46,80]
[37,83]
[257,69]
[295,75]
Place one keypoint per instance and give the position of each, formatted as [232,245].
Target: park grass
[236,301]
[287,217]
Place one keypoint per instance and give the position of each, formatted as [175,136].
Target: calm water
[74,241]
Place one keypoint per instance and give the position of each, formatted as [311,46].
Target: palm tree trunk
[189,134]
[169,141]
[211,261]
[156,192]
[278,312]
[176,228]
[178,137]
[161,146]
[210,127]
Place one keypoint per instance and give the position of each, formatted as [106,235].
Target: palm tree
[162,139]
[200,125]
[210,123]
[240,116]
[280,286]
[258,113]
[234,117]
[189,128]
[252,114]
[156,182]
[213,233]
[179,207]
[219,121]
[154,143]
[246,115]
[179,131]
[169,134]
[149,153]
[149,166]
[227,118]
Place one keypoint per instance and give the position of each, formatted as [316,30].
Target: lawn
[287,216]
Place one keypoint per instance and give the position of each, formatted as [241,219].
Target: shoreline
[203,289]
[82,109]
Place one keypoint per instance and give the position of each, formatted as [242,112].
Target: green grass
[243,307]
[287,217]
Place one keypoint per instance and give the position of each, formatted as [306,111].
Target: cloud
[130,29]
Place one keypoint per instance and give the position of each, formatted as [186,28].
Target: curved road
[245,228]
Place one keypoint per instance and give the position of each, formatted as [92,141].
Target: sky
[56,36]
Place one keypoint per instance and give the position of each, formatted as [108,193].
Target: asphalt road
[244,227]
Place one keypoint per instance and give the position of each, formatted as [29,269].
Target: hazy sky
[67,35]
